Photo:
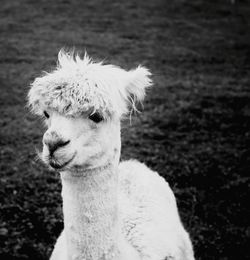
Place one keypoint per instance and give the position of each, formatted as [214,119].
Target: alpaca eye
[96,117]
[46,114]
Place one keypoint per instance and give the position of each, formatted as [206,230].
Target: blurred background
[195,125]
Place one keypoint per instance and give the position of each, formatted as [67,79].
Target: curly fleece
[78,86]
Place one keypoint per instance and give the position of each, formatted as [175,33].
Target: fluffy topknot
[79,85]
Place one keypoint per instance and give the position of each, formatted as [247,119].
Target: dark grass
[194,130]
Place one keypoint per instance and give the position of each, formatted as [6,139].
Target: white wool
[112,210]
[78,86]
[146,225]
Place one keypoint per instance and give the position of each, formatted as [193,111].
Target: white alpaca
[112,210]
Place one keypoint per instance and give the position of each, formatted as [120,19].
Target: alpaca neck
[90,213]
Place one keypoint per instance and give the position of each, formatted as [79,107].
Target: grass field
[194,129]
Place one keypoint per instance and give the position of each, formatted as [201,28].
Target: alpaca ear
[139,80]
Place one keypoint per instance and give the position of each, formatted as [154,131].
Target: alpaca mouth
[56,165]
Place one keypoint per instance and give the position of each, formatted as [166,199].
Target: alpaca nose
[53,141]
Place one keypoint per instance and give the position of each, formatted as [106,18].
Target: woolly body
[139,219]
[112,210]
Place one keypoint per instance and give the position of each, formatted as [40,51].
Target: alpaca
[112,210]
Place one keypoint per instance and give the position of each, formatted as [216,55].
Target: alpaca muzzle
[54,142]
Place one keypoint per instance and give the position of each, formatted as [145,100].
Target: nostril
[54,145]
[62,143]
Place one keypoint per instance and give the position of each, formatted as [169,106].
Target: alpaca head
[82,103]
